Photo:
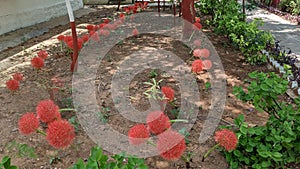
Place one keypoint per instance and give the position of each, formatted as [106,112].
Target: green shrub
[278,142]
[98,160]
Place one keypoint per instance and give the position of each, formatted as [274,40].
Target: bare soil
[36,85]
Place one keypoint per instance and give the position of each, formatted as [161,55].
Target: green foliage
[154,90]
[228,19]
[290,6]
[73,120]
[98,160]
[22,150]
[278,142]
[5,163]
[153,74]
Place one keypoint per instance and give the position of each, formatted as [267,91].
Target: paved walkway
[283,30]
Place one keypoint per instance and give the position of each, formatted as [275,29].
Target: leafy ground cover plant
[228,19]
[98,160]
[278,142]
[5,163]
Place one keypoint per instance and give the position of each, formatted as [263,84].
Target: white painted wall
[15,14]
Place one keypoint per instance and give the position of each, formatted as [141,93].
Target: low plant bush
[228,19]
[278,142]
[98,160]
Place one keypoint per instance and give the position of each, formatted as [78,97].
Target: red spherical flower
[106,20]
[60,134]
[197,26]
[168,93]
[90,27]
[197,66]
[61,37]
[197,20]
[85,38]
[101,25]
[158,122]
[37,62]
[197,42]
[95,37]
[18,76]
[138,134]
[135,32]
[197,53]
[121,16]
[28,123]
[48,111]
[204,53]
[70,44]
[145,3]
[109,26]
[79,43]
[171,145]
[207,64]
[226,139]
[12,85]
[68,38]
[104,32]
[127,10]
[42,54]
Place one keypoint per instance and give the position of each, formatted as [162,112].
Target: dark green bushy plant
[278,142]
[228,19]
[98,160]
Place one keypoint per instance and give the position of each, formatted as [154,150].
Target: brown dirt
[35,88]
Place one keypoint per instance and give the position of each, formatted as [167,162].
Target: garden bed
[57,69]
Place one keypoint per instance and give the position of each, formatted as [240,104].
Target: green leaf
[277,155]
[264,87]
[266,164]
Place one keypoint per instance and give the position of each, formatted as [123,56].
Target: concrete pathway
[283,30]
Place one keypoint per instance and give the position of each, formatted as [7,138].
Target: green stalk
[41,132]
[209,151]
[192,35]
[67,109]
[179,120]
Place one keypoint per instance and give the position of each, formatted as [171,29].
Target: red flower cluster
[60,133]
[138,6]
[43,54]
[158,122]
[201,53]
[28,123]
[197,66]
[171,145]
[168,92]
[197,24]
[138,134]
[37,62]
[207,64]
[135,32]
[18,76]
[226,139]
[47,111]
[12,85]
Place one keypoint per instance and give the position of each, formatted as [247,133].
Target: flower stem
[41,132]
[209,151]
[151,143]
[179,120]
[192,35]
[67,109]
